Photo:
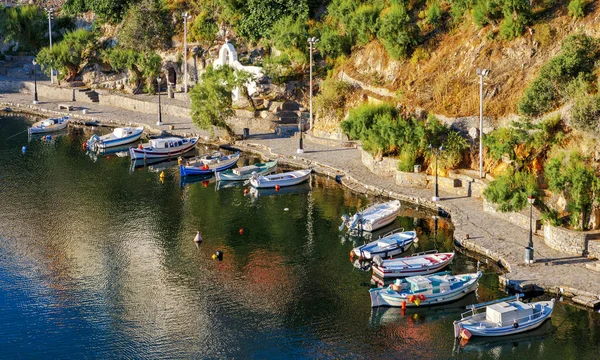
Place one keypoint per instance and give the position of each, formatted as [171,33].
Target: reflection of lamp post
[311,42]
[481,73]
[185,19]
[435,227]
[529,248]
[436,151]
[35,98]
[50,10]
[159,122]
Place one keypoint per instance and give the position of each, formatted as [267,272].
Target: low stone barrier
[386,167]
[411,179]
[521,218]
[571,241]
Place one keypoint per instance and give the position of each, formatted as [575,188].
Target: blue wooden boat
[393,243]
[245,172]
[49,125]
[119,136]
[223,163]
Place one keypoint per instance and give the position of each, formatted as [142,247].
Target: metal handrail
[425,253]
[392,232]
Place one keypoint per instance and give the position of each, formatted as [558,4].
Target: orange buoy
[241,231]
[204,167]
[108,156]
[351,254]
[140,146]
[162,175]
[246,191]
[277,187]
[404,305]
[84,146]
[205,183]
[465,334]
[417,301]
[179,161]
[411,298]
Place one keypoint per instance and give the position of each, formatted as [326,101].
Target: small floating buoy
[108,157]
[246,191]
[48,137]
[140,146]
[162,175]
[286,209]
[241,231]
[214,256]
[205,183]
[24,149]
[277,187]
[179,161]
[198,238]
[404,305]
[84,146]
[219,254]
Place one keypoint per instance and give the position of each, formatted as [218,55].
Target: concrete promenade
[489,235]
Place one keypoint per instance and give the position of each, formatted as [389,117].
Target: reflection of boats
[49,125]
[194,167]
[188,180]
[425,290]
[384,315]
[290,178]
[297,189]
[393,243]
[47,137]
[244,173]
[417,264]
[154,165]
[373,217]
[119,137]
[163,148]
[502,317]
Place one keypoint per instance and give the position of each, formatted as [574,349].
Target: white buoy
[198,238]
[286,209]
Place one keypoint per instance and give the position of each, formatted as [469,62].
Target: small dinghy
[284,179]
[163,148]
[119,136]
[425,290]
[502,317]
[196,167]
[49,125]
[372,218]
[244,173]
[417,264]
[393,243]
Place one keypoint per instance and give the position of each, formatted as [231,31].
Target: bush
[256,17]
[510,190]
[204,29]
[107,10]
[585,113]
[332,97]
[26,25]
[458,9]
[577,9]
[434,13]
[70,55]
[146,27]
[363,24]
[397,32]
[289,35]
[332,43]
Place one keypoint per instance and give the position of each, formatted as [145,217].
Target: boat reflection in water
[156,164]
[303,188]
[388,315]
[48,137]
[204,179]
[120,151]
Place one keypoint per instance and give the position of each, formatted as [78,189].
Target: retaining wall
[386,167]
[521,219]
[573,242]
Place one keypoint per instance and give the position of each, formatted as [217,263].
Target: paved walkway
[488,235]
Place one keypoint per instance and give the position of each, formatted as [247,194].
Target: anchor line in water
[12,136]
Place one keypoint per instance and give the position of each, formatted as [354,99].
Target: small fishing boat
[393,243]
[303,188]
[220,164]
[281,180]
[372,218]
[502,317]
[417,264]
[49,125]
[119,136]
[163,148]
[245,172]
[425,290]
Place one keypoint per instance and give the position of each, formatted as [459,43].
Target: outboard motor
[354,221]
[377,260]
[345,219]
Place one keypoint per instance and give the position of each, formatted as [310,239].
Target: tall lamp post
[436,151]
[529,248]
[35,98]
[311,41]
[50,11]
[159,122]
[481,73]
[185,16]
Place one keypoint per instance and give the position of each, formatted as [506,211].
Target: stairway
[289,117]
[92,95]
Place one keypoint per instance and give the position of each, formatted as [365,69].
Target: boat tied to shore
[280,180]
[196,166]
[118,137]
[425,290]
[502,317]
[424,263]
[393,243]
[373,217]
[163,148]
[49,125]
[245,172]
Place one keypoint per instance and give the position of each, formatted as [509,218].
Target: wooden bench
[65,106]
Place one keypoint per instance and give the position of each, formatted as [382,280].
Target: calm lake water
[97,260]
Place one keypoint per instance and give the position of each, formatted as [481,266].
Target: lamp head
[530,199]
[158,78]
[34,62]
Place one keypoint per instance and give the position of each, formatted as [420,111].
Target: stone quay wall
[572,242]
[521,219]
[386,167]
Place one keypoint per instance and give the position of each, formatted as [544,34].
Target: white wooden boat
[163,148]
[284,179]
[418,264]
[245,172]
[199,168]
[425,290]
[372,218]
[119,136]
[393,243]
[502,317]
[210,158]
[49,125]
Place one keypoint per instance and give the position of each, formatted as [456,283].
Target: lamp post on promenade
[436,151]
[50,12]
[159,122]
[35,97]
[311,42]
[185,16]
[529,249]
[481,73]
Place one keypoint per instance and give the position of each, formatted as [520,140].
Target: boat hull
[395,272]
[261,183]
[119,141]
[48,129]
[143,153]
[370,250]
[214,168]
[267,168]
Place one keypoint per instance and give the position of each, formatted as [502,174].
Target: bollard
[246,134]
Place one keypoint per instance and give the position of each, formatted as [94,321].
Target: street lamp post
[50,11]
[185,76]
[35,97]
[436,151]
[482,73]
[311,42]
[529,248]
[159,122]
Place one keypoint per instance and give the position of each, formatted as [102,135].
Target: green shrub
[255,18]
[397,32]
[551,217]
[332,43]
[458,9]
[543,34]
[26,25]
[363,24]
[107,10]
[332,97]
[70,55]
[433,15]
[585,113]
[204,28]
[510,190]
[577,9]
[290,33]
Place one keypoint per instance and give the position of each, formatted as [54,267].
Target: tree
[397,32]
[107,10]
[70,55]
[26,25]
[258,16]
[143,65]
[146,27]
[211,97]
[577,9]
[510,190]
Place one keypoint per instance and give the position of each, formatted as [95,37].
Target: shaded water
[97,260]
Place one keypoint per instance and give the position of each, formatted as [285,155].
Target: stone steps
[92,95]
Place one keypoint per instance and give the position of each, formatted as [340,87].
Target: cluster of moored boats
[418,280]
